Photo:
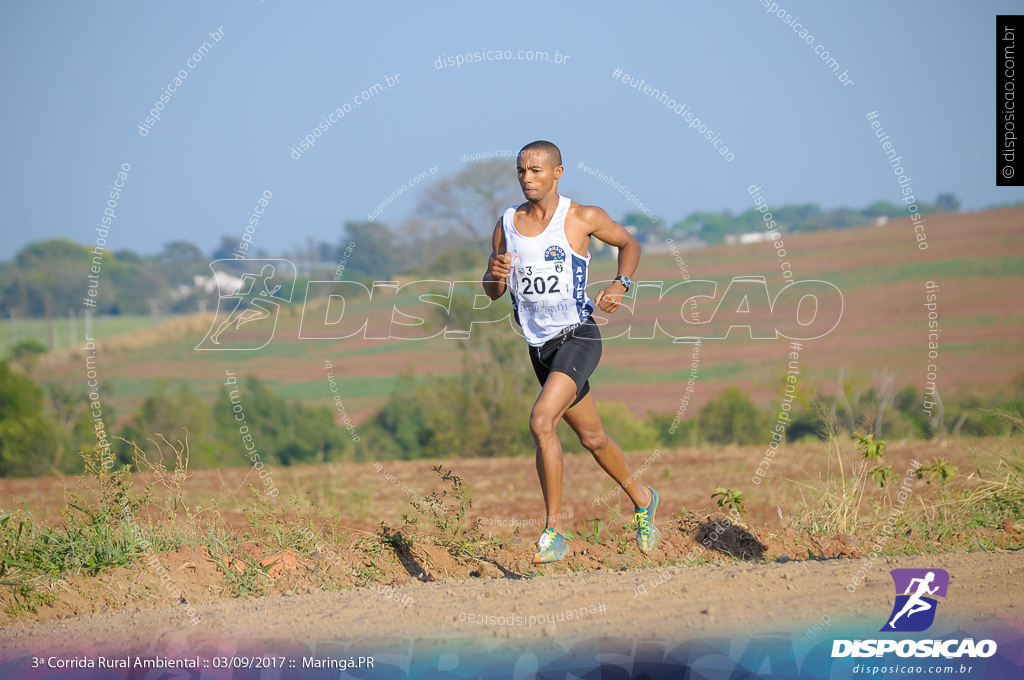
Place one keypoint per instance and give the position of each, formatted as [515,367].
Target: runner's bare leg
[557,394]
[586,423]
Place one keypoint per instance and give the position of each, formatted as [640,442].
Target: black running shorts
[574,352]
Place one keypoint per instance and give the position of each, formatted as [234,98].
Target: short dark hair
[550,149]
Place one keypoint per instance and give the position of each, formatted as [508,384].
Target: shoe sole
[554,559]
[539,560]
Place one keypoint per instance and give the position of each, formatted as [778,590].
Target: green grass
[88,541]
[348,388]
[721,371]
[103,327]
[942,270]
[137,389]
[222,544]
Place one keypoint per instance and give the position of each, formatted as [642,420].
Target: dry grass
[192,325]
[836,500]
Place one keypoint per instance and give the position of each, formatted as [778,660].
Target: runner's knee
[541,425]
[592,441]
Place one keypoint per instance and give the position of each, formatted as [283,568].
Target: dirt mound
[399,558]
[135,588]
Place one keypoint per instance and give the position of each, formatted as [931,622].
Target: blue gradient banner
[768,656]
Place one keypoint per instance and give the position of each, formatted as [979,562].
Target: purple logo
[916,590]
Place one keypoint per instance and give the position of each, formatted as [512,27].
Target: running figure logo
[914,610]
[554,253]
[252,299]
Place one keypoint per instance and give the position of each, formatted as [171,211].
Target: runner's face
[536,175]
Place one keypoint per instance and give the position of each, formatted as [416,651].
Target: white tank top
[548,280]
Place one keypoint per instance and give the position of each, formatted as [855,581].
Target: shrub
[732,418]
[27,432]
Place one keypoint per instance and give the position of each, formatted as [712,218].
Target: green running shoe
[647,535]
[553,547]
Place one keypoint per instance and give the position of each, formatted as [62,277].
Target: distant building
[220,281]
[743,239]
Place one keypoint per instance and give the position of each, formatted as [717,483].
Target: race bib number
[547,280]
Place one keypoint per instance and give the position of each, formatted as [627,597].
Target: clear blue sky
[78,78]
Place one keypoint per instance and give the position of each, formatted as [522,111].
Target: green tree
[48,277]
[465,206]
[456,261]
[171,413]
[286,432]
[732,417]
[26,431]
[883,209]
[948,202]
[225,250]
[482,411]
[26,353]
[711,227]
[180,261]
[378,254]
[70,408]
[134,281]
[645,227]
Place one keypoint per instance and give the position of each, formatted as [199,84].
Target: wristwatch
[625,281]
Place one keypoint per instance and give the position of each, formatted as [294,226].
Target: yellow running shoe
[647,535]
[553,547]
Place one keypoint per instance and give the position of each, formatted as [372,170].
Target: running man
[915,603]
[248,306]
[540,252]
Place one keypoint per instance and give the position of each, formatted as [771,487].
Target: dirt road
[735,599]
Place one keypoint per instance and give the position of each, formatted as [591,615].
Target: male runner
[915,603]
[540,252]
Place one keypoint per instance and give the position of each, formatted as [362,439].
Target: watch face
[625,281]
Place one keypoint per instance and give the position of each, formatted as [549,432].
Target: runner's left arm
[604,228]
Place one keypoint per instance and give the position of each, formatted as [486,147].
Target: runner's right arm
[498,265]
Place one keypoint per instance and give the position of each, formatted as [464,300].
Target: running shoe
[553,547]
[647,535]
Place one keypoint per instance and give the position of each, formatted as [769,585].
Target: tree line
[480,412]
[45,428]
[447,233]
